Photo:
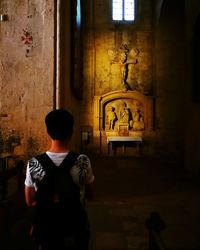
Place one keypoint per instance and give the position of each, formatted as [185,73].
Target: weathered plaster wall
[26,74]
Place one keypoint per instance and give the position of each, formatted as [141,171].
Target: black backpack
[58,210]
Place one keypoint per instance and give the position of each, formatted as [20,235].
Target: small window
[78,13]
[123,10]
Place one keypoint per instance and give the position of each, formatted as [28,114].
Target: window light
[123,10]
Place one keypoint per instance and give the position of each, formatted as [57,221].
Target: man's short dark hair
[59,123]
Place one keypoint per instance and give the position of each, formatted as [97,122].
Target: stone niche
[122,113]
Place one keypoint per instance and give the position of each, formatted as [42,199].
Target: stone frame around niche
[99,131]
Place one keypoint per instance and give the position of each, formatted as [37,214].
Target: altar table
[116,141]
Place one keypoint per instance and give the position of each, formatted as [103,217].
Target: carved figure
[124,119]
[124,59]
[124,114]
[138,121]
[123,68]
[112,117]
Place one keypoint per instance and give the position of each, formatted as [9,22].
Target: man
[55,184]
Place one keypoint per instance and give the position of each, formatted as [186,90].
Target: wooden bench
[117,141]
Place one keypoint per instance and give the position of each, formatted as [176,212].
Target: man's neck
[58,146]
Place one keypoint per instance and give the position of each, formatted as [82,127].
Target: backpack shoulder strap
[48,164]
[69,160]
[45,161]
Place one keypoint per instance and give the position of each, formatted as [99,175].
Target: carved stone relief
[121,113]
[124,115]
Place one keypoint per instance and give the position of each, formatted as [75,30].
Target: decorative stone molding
[111,103]
[122,113]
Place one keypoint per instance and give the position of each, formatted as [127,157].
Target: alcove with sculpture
[121,114]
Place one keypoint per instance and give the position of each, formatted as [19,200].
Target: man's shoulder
[35,169]
[83,159]
[34,160]
[34,157]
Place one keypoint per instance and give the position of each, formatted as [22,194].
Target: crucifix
[124,58]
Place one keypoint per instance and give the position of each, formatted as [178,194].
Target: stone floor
[126,192]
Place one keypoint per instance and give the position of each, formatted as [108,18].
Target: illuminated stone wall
[105,44]
[26,74]
[159,71]
[159,65]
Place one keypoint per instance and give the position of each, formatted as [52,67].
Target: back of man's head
[59,123]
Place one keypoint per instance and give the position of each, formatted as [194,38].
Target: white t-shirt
[81,172]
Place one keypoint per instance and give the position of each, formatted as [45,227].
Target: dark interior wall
[192,111]
[177,106]
[196,61]
[170,77]
[66,98]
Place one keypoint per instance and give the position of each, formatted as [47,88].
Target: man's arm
[30,196]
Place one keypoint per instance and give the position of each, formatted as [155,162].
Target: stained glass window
[123,10]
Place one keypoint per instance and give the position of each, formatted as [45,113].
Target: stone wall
[29,62]
[65,96]
[192,110]
[158,33]
[26,74]
[163,36]
[170,79]
[104,42]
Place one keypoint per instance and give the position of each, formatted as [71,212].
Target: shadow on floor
[127,190]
